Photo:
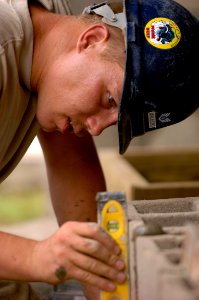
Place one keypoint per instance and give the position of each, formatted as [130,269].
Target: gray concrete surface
[163,257]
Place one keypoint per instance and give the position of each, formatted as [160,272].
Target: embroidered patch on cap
[162,33]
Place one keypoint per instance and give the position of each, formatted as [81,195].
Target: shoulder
[10,23]
[16,38]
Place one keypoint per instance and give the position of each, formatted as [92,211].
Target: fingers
[90,271]
[97,267]
[100,245]
[95,249]
[90,239]
[93,280]
[93,231]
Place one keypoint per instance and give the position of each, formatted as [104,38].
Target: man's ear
[94,35]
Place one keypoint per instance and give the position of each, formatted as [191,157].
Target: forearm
[73,197]
[74,175]
[16,258]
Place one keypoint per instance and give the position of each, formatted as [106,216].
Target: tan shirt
[18,125]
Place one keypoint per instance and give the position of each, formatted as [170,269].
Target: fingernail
[111,286]
[121,277]
[119,264]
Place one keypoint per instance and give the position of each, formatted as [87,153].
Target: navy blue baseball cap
[162,63]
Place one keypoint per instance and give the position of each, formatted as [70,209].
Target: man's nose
[95,125]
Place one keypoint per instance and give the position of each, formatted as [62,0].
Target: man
[72,83]
[68,62]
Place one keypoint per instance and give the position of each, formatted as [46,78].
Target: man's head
[160,86]
[87,78]
[76,74]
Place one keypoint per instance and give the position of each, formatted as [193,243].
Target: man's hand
[81,251]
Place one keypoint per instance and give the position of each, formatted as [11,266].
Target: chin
[48,129]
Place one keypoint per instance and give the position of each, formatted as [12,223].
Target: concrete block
[165,212]
[151,264]
[164,258]
[191,252]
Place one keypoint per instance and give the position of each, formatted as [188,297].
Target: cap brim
[124,120]
[130,115]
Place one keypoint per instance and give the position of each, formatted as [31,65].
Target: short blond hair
[115,50]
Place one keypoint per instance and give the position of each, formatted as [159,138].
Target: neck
[53,34]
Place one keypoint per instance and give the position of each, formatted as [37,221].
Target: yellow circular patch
[162,33]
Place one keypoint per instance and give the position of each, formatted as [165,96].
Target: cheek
[52,93]
[86,99]
[55,79]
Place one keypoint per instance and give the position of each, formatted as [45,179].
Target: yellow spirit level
[112,216]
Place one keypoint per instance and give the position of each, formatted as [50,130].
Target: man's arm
[78,250]
[74,175]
